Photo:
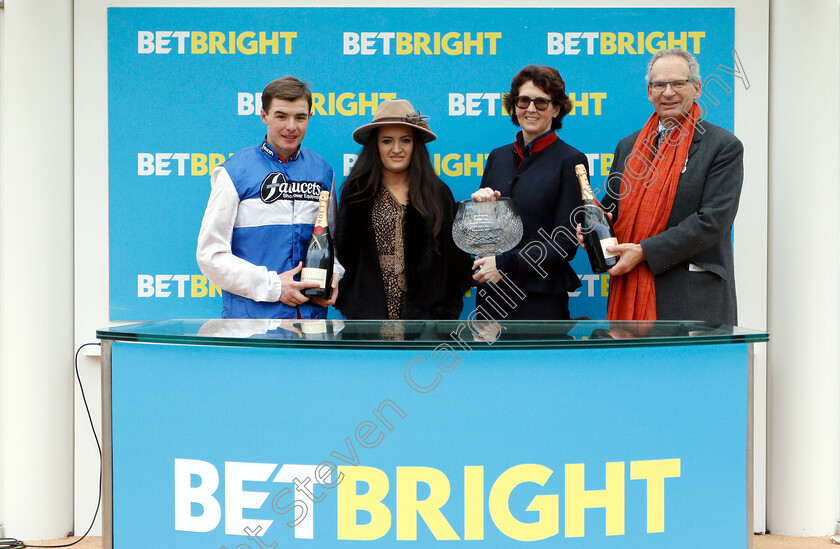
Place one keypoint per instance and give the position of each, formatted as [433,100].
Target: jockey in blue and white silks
[258,223]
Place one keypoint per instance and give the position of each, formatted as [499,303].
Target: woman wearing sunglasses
[537,172]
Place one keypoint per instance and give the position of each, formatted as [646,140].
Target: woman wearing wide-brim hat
[393,231]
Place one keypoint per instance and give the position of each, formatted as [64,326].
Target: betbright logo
[324,104]
[215,42]
[492,103]
[621,43]
[180,164]
[175,285]
[476,104]
[420,43]
[449,165]
[365,512]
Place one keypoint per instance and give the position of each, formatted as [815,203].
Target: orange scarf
[652,180]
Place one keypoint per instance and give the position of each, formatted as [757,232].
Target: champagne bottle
[318,265]
[597,231]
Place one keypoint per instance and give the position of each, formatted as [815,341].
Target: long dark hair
[426,192]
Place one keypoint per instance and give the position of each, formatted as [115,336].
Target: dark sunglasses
[541,103]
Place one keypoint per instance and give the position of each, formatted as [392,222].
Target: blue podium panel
[226,447]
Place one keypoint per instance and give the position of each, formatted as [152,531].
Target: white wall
[91,196]
[803,370]
[751,125]
[2,73]
[90,106]
[36,269]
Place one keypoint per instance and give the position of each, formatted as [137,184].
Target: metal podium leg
[750,453]
[107,457]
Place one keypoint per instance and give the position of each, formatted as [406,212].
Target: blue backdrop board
[184,87]
[578,447]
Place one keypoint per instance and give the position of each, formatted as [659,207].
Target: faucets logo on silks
[275,187]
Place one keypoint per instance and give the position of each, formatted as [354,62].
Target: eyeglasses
[541,103]
[676,85]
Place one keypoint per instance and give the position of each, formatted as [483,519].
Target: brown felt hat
[395,111]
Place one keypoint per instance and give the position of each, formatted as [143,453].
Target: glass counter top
[428,334]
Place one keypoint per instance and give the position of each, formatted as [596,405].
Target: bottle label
[310,274]
[313,326]
[609,242]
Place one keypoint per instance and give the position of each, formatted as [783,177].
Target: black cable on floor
[12,542]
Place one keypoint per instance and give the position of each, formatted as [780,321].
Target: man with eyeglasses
[673,193]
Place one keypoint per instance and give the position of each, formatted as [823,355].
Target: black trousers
[504,303]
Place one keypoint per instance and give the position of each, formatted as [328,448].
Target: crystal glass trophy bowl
[486,228]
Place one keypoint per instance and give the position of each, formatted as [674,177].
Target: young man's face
[286,123]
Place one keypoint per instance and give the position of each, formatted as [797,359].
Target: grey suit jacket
[699,229]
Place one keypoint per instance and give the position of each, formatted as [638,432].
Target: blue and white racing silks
[257,224]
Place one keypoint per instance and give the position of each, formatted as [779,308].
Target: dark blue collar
[538,144]
[269,151]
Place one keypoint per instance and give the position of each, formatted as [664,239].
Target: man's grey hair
[693,65]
